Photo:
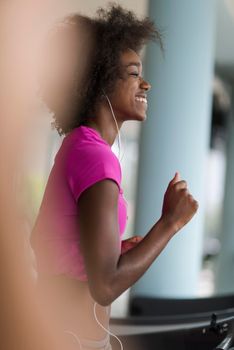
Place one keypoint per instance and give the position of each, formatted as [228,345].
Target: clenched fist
[129,243]
[179,206]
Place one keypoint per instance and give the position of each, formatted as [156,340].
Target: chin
[141,117]
[136,116]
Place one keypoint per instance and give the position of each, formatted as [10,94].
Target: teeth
[141,99]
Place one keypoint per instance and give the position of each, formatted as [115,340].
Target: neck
[105,124]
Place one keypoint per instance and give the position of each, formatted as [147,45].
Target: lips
[141,98]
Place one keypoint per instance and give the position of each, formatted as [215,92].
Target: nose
[145,85]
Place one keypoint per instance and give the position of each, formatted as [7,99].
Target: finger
[136,238]
[139,238]
[181,184]
[175,179]
[128,245]
[195,202]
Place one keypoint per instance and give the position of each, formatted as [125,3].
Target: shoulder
[92,153]
[89,164]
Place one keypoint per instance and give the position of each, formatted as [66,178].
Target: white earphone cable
[119,137]
[76,337]
[107,330]
[94,306]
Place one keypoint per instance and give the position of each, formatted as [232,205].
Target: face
[129,98]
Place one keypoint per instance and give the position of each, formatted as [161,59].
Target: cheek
[118,96]
[132,96]
[128,93]
[123,97]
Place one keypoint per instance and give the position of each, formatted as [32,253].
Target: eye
[134,74]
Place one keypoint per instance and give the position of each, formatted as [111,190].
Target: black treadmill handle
[226,343]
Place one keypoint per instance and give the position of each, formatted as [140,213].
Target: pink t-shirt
[83,158]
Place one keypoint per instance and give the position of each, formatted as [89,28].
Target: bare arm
[109,273]
[134,263]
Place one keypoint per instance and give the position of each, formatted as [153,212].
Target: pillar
[175,136]
[225,267]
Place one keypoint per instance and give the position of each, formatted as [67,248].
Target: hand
[179,206]
[129,243]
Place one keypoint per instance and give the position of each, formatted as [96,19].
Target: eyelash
[134,74]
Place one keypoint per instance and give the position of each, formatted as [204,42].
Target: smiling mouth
[141,99]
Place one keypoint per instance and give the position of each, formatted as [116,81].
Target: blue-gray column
[225,267]
[175,136]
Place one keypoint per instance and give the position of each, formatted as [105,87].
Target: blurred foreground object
[25,323]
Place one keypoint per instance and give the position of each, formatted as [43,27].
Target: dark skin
[123,99]
[110,273]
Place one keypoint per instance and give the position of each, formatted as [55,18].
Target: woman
[83,263]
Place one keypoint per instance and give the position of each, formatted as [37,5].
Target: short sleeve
[90,164]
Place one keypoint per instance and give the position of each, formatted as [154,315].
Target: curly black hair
[114,30]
